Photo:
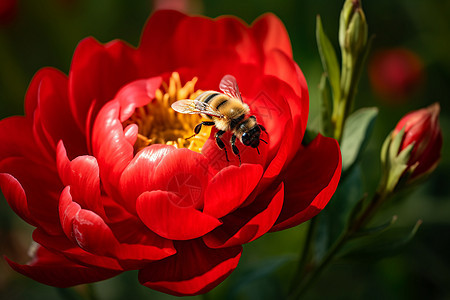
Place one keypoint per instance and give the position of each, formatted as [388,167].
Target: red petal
[93,235]
[112,150]
[230,188]
[271,104]
[82,174]
[63,164]
[15,195]
[269,100]
[161,167]
[281,156]
[42,137]
[155,49]
[56,115]
[196,269]
[310,182]
[140,237]
[431,156]
[205,30]
[61,244]
[224,61]
[140,241]
[234,33]
[41,186]
[18,140]
[31,98]
[138,175]
[97,73]
[248,223]
[85,183]
[48,106]
[193,39]
[131,133]
[55,270]
[137,94]
[282,66]
[183,172]
[159,212]
[46,95]
[271,34]
[67,212]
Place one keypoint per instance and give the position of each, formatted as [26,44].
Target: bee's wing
[188,106]
[228,86]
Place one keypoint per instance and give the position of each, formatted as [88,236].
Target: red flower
[423,131]
[396,73]
[100,165]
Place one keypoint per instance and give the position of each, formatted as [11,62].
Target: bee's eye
[246,138]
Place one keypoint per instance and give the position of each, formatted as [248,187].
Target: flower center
[158,123]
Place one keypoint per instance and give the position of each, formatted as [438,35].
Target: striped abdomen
[233,109]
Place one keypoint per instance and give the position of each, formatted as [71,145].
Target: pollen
[158,123]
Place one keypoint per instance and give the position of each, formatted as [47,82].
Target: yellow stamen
[158,123]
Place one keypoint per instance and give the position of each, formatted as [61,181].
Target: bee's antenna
[257,150]
[263,141]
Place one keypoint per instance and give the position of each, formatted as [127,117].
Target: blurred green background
[46,32]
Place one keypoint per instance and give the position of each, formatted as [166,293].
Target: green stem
[351,71]
[349,83]
[302,288]
[305,255]
[368,213]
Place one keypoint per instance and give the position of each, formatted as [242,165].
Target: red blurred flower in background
[423,131]
[179,5]
[8,11]
[396,74]
[100,166]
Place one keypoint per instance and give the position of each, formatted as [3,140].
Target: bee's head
[251,137]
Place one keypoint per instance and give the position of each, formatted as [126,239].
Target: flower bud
[352,28]
[422,129]
[413,149]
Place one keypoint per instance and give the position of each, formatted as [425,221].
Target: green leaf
[329,60]
[384,150]
[380,246]
[377,229]
[326,128]
[394,163]
[357,131]
[394,148]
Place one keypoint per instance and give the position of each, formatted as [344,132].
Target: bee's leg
[234,148]
[199,127]
[220,143]
[262,128]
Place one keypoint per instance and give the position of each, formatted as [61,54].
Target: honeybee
[228,112]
